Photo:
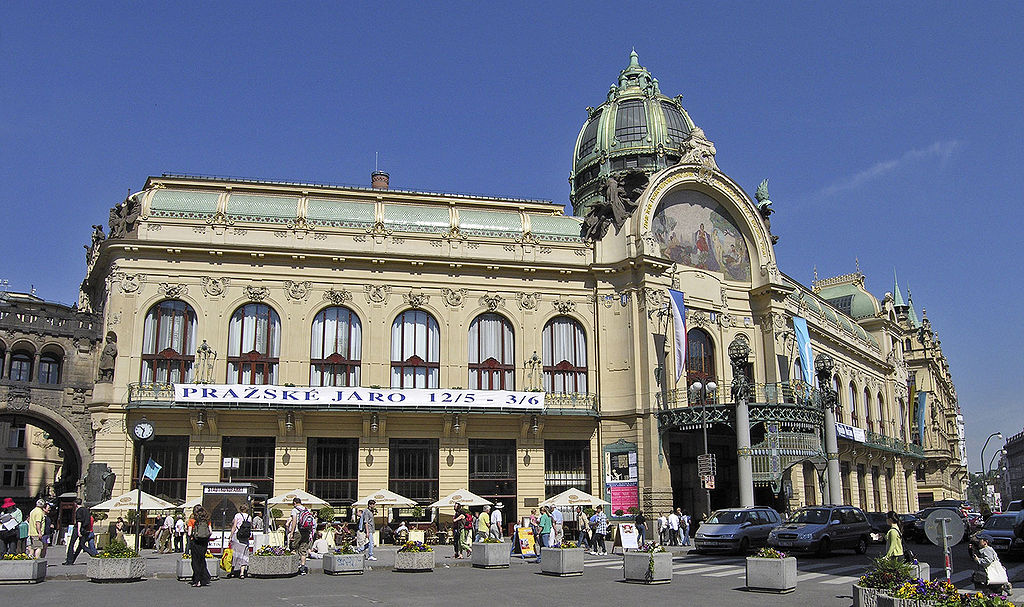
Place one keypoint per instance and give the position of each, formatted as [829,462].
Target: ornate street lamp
[823,366]
[739,354]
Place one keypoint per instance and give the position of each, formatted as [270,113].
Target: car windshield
[727,517]
[811,515]
[999,522]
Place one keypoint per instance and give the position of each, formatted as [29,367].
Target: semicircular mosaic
[694,230]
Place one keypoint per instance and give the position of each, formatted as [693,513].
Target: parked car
[909,524]
[1015,506]
[918,530]
[879,526]
[999,533]
[736,529]
[822,529]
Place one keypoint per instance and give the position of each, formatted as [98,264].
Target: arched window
[903,421]
[868,417]
[49,368]
[335,348]
[798,369]
[882,428]
[854,415]
[21,365]
[254,345]
[564,356]
[907,345]
[491,353]
[169,343]
[837,385]
[415,350]
[3,357]
[700,359]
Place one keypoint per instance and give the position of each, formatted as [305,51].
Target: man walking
[81,534]
[483,524]
[179,534]
[36,530]
[496,522]
[684,528]
[557,519]
[673,528]
[366,526]
[301,524]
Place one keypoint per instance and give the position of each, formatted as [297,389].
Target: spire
[897,295]
[634,59]
[911,314]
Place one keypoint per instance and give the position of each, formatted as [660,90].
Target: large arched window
[169,343]
[415,350]
[868,417]
[254,345]
[491,353]
[564,356]
[49,366]
[854,414]
[882,428]
[21,365]
[700,359]
[335,348]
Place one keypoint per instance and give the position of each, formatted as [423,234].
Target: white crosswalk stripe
[841,580]
[728,572]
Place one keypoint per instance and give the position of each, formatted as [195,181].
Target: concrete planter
[273,566]
[563,562]
[414,561]
[22,572]
[771,575]
[116,570]
[636,567]
[184,569]
[865,597]
[923,571]
[490,556]
[344,564]
[885,600]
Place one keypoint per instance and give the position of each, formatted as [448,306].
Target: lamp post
[823,365]
[739,353]
[985,446]
[700,393]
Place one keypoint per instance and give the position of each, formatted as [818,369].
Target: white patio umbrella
[192,503]
[463,497]
[308,499]
[574,497]
[130,501]
[383,497]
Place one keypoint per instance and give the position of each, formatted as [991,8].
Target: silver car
[736,529]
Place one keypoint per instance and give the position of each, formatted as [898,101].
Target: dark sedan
[998,531]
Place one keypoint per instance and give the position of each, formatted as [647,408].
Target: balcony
[893,445]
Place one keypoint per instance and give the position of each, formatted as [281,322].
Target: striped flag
[679,327]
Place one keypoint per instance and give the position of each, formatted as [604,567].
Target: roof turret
[897,295]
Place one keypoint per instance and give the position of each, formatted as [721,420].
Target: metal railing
[794,392]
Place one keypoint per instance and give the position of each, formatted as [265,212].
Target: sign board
[954,526]
[709,482]
[231,463]
[705,464]
[622,481]
[222,500]
[629,536]
[525,542]
[312,396]
[851,433]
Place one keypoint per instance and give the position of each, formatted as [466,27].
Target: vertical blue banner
[803,344]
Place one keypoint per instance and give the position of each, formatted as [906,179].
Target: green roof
[183,203]
[862,305]
[340,213]
[270,209]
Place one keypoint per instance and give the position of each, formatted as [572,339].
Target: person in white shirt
[557,526]
[320,547]
[167,534]
[673,529]
[496,521]
[663,529]
[179,534]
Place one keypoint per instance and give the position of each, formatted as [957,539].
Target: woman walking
[200,542]
[893,537]
[988,571]
[458,523]
[241,533]
[584,527]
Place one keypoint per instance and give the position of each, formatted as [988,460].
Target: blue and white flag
[803,344]
[679,326]
[922,407]
[152,469]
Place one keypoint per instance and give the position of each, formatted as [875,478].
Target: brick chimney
[379,180]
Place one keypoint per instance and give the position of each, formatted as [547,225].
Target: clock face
[143,430]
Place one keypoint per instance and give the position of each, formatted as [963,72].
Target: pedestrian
[457,523]
[663,529]
[989,572]
[673,528]
[301,524]
[483,524]
[119,530]
[684,528]
[241,533]
[36,528]
[179,534]
[583,524]
[81,534]
[893,537]
[48,528]
[167,540]
[467,532]
[200,543]
[599,523]
[641,525]
[546,525]
[557,526]
[366,522]
[496,522]
[10,520]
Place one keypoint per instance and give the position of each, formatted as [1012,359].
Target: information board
[629,535]
[524,537]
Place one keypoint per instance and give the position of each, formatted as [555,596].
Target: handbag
[996,574]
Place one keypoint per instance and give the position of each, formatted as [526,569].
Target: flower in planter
[415,547]
[345,548]
[650,547]
[566,544]
[887,574]
[980,599]
[769,553]
[941,592]
[491,540]
[17,557]
[117,550]
[273,551]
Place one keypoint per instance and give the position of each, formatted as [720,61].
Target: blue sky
[891,132]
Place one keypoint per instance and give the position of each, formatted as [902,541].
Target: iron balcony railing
[795,392]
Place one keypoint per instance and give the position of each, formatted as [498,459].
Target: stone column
[739,352]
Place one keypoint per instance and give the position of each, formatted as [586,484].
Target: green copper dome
[636,127]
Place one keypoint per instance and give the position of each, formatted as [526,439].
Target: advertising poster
[621,481]
[526,544]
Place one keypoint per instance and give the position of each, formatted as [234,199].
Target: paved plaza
[697,580]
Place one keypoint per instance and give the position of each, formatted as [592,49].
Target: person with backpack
[301,525]
[241,533]
[200,543]
[365,526]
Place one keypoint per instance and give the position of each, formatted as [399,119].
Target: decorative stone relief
[491,301]
[581,252]
[416,300]
[726,320]
[153,227]
[18,400]
[379,230]
[528,301]
[220,219]
[564,306]
[130,283]
[699,318]
[527,238]
[214,286]
[509,247]
[257,293]
[240,231]
[337,297]
[114,319]
[196,229]
[453,297]
[173,291]
[297,291]
[377,293]
[725,298]
[454,234]
[770,270]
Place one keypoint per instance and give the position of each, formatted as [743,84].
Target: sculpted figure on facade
[107,359]
[124,216]
[699,150]
[214,286]
[621,190]
[764,207]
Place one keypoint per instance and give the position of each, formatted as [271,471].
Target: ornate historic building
[49,357]
[240,316]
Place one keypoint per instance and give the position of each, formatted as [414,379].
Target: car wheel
[862,545]
[825,547]
[745,545]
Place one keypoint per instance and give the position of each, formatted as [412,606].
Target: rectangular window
[332,469]
[890,490]
[413,468]
[13,475]
[16,437]
[171,453]
[255,455]
[919,475]
[566,465]
[492,472]
[8,479]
